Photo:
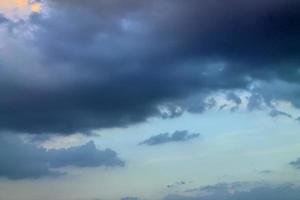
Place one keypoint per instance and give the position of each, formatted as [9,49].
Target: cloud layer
[229,192]
[83,66]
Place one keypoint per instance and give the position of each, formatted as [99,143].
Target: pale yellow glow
[36,7]
[15,9]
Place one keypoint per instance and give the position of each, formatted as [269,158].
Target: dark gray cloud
[110,64]
[177,136]
[20,160]
[231,192]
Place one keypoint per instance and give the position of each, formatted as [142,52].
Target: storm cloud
[20,160]
[99,64]
[177,136]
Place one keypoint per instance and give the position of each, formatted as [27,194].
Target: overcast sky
[149,100]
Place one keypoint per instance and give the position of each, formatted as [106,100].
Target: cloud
[296,163]
[234,98]
[276,113]
[84,156]
[177,136]
[223,106]
[129,198]
[3,19]
[266,171]
[255,102]
[99,64]
[176,184]
[20,160]
[170,110]
[229,191]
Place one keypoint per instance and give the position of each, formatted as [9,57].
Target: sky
[149,100]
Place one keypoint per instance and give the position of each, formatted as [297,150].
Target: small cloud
[177,136]
[266,171]
[277,113]
[176,184]
[129,198]
[296,163]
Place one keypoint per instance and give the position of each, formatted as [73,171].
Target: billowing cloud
[97,64]
[177,136]
[20,160]
[230,192]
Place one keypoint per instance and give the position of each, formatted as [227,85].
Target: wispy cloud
[177,136]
